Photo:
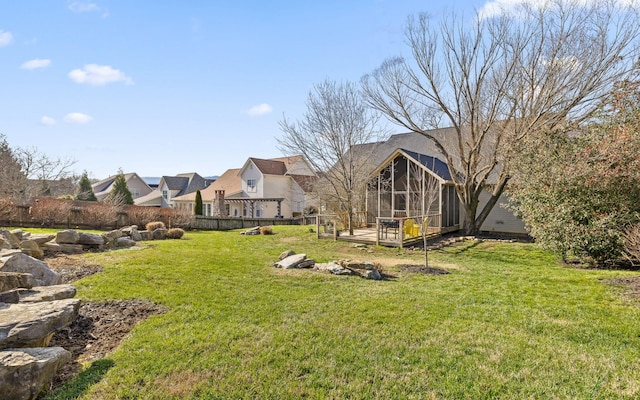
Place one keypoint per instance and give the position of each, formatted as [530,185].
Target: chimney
[218,204]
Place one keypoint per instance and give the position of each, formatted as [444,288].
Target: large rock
[133,233]
[124,242]
[33,324]
[63,248]
[358,265]
[20,234]
[24,372]
[68,236]
[10,238]
[286,254]
[10,296]
[145,235]
[15,280]
[90,239]
[31,248]
[159,234]
[47,293]
[42,238]
[23,263]
[112,235]
[291,261]
[334,268]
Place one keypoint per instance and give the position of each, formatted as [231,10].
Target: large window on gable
[251,186]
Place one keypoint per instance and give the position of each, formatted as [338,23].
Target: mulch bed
[421,269]
[100,326]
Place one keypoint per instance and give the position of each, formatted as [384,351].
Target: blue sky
[165,87]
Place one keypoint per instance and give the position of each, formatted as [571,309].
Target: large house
[137,186]
[171,187]
[261,188]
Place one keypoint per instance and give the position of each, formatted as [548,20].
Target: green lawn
[509,322]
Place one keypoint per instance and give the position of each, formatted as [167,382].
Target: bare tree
[337,120]
[26,172]
[424,192]
[500,78]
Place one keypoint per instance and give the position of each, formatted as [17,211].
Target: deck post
[377,231]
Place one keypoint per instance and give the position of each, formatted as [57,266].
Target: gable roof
[105,184]
[230,182]
[269,167]
[432,163]
[306,182]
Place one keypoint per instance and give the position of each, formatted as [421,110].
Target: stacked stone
[33,306]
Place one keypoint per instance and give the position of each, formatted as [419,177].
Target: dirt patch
[100,326]
[631,286]
[421,269]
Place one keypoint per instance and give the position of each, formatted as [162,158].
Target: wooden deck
[389,238]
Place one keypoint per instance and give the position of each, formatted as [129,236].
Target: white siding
[500,219]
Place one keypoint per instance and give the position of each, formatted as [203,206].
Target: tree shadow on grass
[80,384]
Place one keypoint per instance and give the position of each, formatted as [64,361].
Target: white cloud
[99,75]
[35,64]
[260,109]
[79,7]
[77,118]
[6,38]
[495,8]
[48,121]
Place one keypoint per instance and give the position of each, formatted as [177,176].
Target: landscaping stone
[15,280]
[68,236]
[63,248]
[357,264]
[291,261]
[23,263]
[10,238]
[25,372]
[41,239]
[112,235]
[4,244]
[90,239]
[33,324]
[145,235]
[124,242]
[19,234]
[334,268]
[308,263]
[159,234]
[373,274]
[286,254]
[31,248]
[47,293]
[10,296]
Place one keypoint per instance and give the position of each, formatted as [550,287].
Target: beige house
[261,188]
[137,186]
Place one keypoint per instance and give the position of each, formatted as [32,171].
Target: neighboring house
[137,186]
[170,187]
[499,220]
[261,188]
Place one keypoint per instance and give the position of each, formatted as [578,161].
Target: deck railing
[400,229]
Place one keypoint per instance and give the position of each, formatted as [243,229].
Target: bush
[175,233]
[141,216]
[632,243]
[49,211]
[181,218]
[266,230]
[152,226]
[100,215]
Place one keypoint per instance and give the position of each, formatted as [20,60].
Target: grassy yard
[509,322]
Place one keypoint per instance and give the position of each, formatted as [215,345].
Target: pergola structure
[251,201]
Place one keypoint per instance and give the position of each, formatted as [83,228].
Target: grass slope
[508,322]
